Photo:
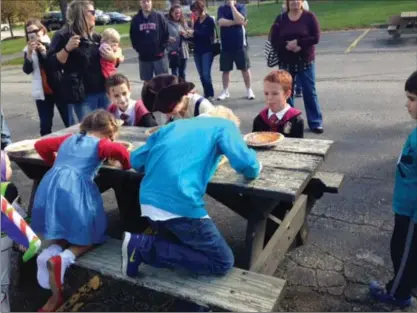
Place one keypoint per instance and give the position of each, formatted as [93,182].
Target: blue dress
[68,204]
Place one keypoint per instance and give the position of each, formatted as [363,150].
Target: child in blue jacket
[404,238]
[179,161]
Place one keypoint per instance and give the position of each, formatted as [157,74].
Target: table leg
[302,235]
[278,245]
[32,195]
[127,196]
[255,236]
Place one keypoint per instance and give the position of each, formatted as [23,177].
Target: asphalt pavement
[361,94]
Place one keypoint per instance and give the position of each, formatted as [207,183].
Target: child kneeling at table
[68,208]
[131,112]
[175,98]
[179,160]
[278,115]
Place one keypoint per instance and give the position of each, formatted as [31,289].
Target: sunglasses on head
[35,31]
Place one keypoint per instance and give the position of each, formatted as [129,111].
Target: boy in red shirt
[132,112]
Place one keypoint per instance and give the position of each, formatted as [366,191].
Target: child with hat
[174,98]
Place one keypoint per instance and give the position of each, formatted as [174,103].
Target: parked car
[5,27]
[53,20]
[118,18]
[102,18]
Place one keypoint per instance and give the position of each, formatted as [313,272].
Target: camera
[32,37]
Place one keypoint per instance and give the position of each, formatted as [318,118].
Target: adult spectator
[75,51]
[179,32]
[294,36]
[204,30]
[231,18]
[149,36]
[34,64]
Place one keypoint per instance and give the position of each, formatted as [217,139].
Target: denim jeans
[46,113]
[203,62]
[192,244]
[307,80]
[179,71]
[5,132]
[92,102]
[298,89]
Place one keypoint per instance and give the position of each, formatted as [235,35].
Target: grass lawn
[332,15]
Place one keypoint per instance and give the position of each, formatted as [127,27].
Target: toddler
[110,39]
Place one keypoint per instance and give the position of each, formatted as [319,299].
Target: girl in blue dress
[68,207]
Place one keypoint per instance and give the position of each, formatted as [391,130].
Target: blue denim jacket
[405,189]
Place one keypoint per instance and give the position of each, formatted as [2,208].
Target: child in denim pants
[179,160]
[404,238]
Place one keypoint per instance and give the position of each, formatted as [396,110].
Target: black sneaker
[317,130]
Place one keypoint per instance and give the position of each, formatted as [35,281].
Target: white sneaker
[224,95]
[251,95]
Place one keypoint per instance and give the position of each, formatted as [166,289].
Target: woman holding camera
[35,64]
[75,53]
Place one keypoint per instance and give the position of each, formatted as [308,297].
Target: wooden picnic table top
[287,168]
[409,15]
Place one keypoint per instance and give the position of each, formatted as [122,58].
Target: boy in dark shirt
[404,238]
[279,116]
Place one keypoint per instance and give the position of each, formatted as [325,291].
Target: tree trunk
[9,20]
[63,7]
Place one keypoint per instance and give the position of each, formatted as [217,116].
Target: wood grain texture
[287,168]
[332,180]
[282,239]
[238,291]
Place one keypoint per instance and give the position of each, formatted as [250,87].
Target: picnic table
[275,205]
[405,23]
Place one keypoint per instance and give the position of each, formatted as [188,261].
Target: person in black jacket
[74,50]
[149,36]
[35,64]
[279,116]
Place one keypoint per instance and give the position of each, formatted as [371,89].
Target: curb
[380,25]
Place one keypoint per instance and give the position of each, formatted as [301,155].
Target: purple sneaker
[131,258]
[377,290]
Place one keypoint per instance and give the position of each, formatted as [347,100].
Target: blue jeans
[179,71]
[307,80]
[203,62]
[298,89]
[91,102]
[192,244]
[46,113]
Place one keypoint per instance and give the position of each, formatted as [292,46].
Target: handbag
[215,46]
[271,55]
[174,59]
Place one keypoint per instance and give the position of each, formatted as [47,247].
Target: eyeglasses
[92,12]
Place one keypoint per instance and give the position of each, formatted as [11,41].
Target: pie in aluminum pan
[21,148]
[152,130]
[263,139]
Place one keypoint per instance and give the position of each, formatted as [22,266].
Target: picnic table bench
[275,206]
[405,23]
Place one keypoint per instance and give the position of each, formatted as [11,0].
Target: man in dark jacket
[149,36]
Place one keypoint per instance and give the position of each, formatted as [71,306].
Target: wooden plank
[332,180]
[254,241]
[409,15]
[279,243]
[238,291]
[284,175]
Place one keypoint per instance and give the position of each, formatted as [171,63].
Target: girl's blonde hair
[77,17]
[100,121]
[110,34]
[223,112]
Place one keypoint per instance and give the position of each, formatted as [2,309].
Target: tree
[13,10]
